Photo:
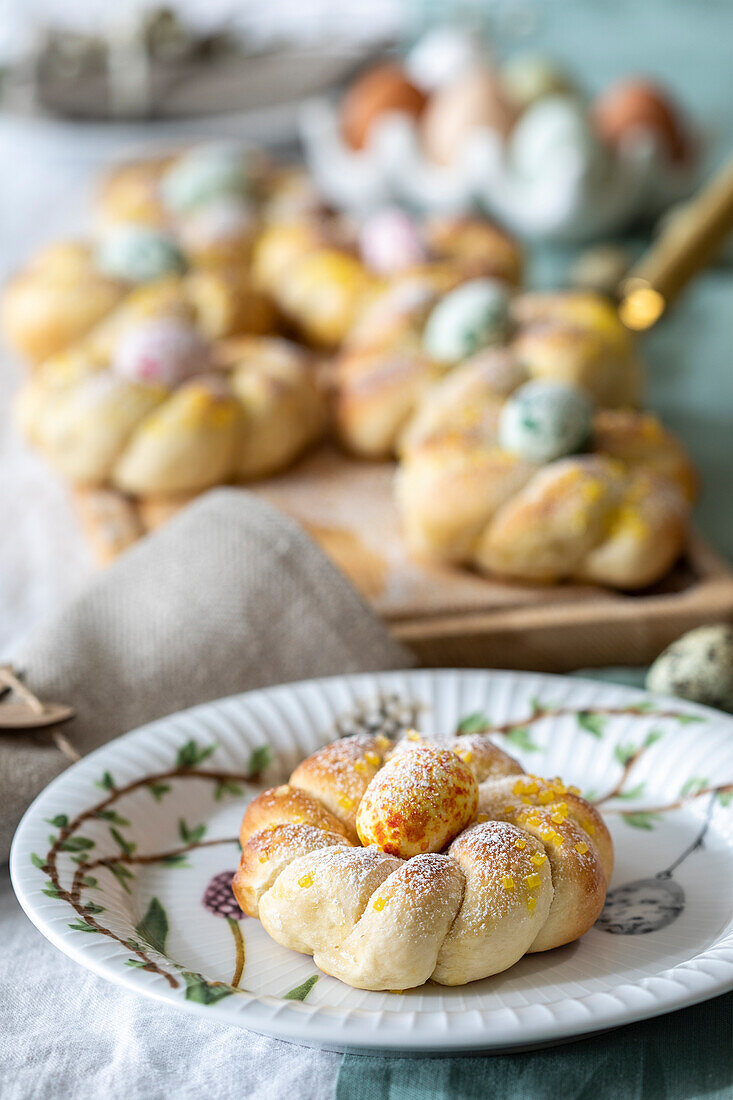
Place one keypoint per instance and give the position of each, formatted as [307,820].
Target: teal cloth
[681,1056]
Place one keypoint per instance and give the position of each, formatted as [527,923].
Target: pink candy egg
[390,242]
[163,350]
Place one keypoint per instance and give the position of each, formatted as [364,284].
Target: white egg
[698,666]
[543,421]
[552,135]
[138,254]
[471,317]
[162,350]
[443,54]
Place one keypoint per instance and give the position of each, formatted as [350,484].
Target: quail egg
[698,666]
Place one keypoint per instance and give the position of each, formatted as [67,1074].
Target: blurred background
[84,84]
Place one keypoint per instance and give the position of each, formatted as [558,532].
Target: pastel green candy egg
[139,254]
[543,421]
[698,666]
[467,319]
[203,175]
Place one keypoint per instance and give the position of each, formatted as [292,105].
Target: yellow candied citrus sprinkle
[591,491]
[538,858]
[531,904]
[507,882]
[526,801]
[558,817]
[558,786]
[361,767]
[379,904]
[345,802]
[589,827]
[372,759]
[518,787]
[508,809]
[558,840]
[481,818]
[573,790]
[533,879]
[413,735]
[581,848]
[520,843]
[382,741]
[298,819]
[264,858]
[466,757]
[305,881]
[533,820]
[545,796]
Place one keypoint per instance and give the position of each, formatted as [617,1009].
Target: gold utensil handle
[687,244]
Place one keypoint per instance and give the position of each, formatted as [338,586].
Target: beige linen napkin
[229,595]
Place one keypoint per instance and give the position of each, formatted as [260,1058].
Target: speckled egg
[163,350]
[203,175]
[442,55]
[543,421]
[382,89]
[139,254]
[467,319]
[390,241]
[528,77]
[638,105]
[474,100]
[698,666]
[418,802]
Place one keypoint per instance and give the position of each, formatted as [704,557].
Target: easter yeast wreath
[395,862]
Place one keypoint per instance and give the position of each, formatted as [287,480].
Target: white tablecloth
[66,1033]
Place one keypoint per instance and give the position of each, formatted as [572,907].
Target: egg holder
[552,180]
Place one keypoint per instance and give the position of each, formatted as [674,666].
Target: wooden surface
[451,616]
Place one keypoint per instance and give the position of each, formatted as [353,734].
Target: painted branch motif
[593,722]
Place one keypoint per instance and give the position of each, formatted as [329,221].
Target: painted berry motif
[219,899]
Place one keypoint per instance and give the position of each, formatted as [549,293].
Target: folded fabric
[230,595]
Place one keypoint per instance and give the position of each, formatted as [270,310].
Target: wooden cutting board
[451,616]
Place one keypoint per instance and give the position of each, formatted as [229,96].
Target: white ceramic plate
[124,861]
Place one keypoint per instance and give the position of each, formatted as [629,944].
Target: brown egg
[384,88]
[640,104]
[475,99]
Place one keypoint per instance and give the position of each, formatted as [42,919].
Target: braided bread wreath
[617,514]
[392,863]
[147,403]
